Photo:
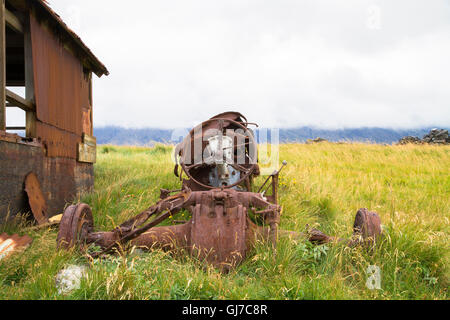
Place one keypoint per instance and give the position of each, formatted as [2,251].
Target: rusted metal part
[366,228]
[226,245]
[76,223]
[230,127]
[58,143]
[318,237]
[367,224]
[36,198]
[134,227]
[217,232]
[164,193]
[64,238]
[217,126]
[60,179]
[9,244]
[165,238]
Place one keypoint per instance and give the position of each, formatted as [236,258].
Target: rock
[316,140]
[69,279]
[410,139]
[435,136]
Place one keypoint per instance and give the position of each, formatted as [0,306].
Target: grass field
[323,186]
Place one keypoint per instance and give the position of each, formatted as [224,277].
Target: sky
[282,63]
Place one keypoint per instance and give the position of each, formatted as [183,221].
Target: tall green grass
[322,186]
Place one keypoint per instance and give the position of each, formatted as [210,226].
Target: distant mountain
[373,135]
[148,136]
[125,136]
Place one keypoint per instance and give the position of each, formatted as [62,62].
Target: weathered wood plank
[13,21]
[87,150]
[87,153]
[89,140]
[29,80]
[18,101]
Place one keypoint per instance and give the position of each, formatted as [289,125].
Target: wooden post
[2,67]
[29,79]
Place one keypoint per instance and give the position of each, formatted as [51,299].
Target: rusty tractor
[219,159]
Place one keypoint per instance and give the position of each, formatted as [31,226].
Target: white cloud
[281,63]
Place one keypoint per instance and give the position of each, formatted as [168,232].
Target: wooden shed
[54,68]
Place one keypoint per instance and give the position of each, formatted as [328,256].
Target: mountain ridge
[148,136]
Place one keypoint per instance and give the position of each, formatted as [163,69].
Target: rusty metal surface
[61,179]
[9,244]
[43,11]
[223,121]
[76,223]
[61,93]
[165,238]
[366,228]
[15,138]
[199,173]
[219,232]
[191,151]
[61,86]
[62,82]
[60,27]
[58,142]
[36,198]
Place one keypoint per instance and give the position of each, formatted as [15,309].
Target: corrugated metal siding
[61,93]
[59,143]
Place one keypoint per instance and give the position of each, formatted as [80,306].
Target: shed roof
[64,33]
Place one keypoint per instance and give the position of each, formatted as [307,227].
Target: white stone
[69,278]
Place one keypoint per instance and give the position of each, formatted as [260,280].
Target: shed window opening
[16,117]
[18,105]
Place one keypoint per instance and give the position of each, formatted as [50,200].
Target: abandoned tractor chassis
[220,230]
[219,159]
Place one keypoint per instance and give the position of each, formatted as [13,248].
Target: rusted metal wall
[61,93]
[63,114]
[60,178]
[57,142]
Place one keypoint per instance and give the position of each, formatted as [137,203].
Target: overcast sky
[333,64]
